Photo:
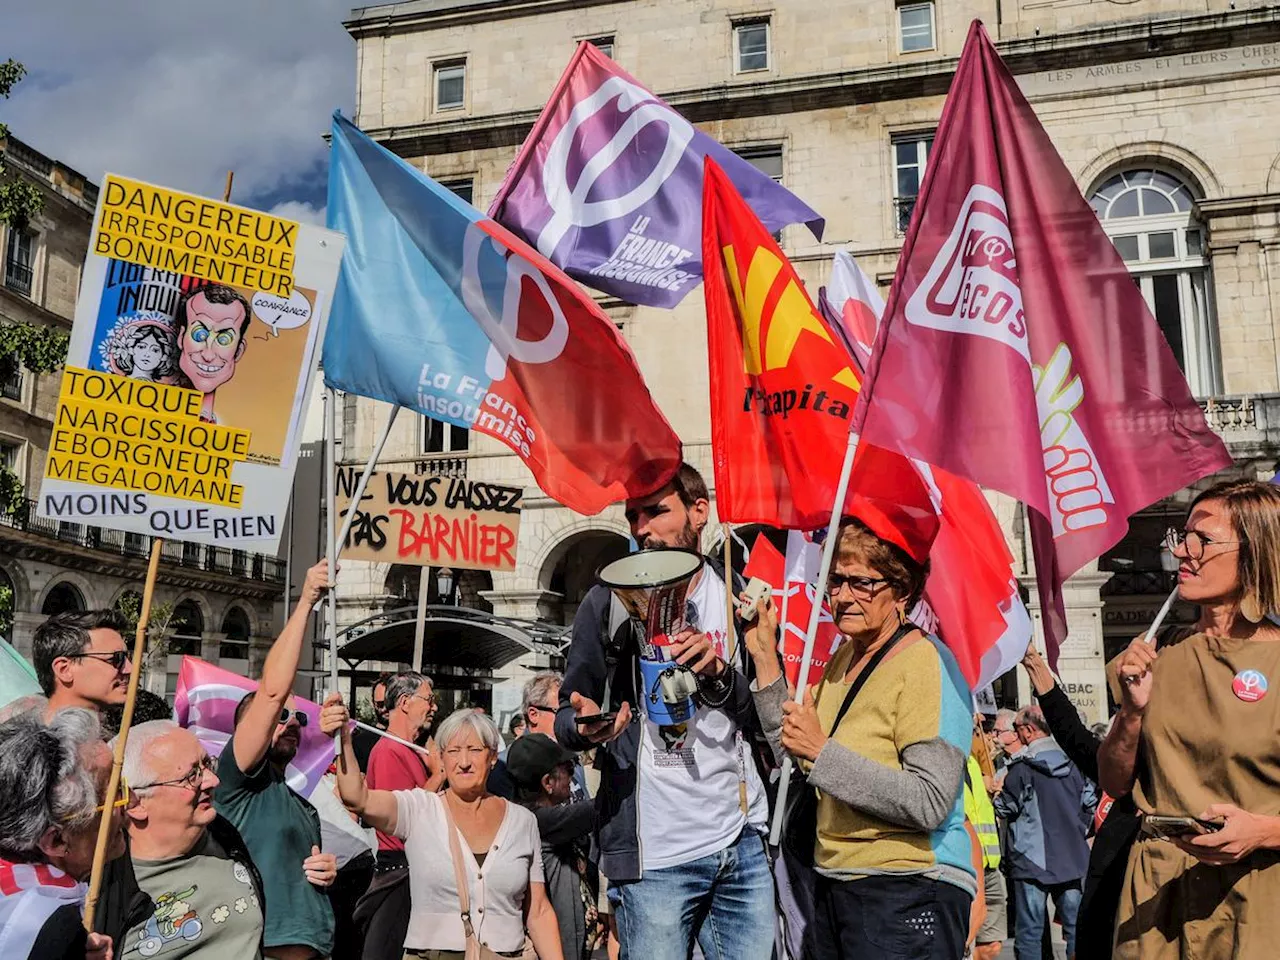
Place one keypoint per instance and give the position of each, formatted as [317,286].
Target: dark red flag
[1016,350]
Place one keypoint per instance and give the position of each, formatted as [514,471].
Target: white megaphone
[653,587]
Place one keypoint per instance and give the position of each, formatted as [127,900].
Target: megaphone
[653,587]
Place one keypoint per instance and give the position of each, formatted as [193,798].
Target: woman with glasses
[52,780]
[1196,738]
[883,737]
[464,833]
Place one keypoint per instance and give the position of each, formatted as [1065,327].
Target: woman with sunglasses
[895,874]
[1196,737]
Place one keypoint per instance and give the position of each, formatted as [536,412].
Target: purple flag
[608,186]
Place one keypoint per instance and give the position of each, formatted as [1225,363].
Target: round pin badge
[1249,685]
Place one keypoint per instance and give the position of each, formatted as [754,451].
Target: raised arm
[1118,755]
[377,808]
[254,731]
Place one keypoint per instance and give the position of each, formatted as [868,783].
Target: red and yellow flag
[782,389]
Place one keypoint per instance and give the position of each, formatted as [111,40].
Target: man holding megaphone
[656,678]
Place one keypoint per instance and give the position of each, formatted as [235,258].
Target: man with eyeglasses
[384,910]
[539,704]
[279,825]
[53,777]
[81,660]
[188,887]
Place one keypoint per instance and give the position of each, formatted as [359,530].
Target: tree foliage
[159,640]
[19,200]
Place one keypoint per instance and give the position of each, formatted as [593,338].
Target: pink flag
[205,703]
[1016,350]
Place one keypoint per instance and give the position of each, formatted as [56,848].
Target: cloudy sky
[180,91]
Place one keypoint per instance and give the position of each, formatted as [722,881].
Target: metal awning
[454,636]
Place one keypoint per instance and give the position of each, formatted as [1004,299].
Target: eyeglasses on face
[543,707]
[863,588]
[301,717]
[121,802]
[191,780]
[116,658]
[430,700]
[1193,542]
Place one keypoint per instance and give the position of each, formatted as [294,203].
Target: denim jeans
[1033,914]
[724,901]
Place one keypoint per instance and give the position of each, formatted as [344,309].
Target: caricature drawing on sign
[211,326]
[141,346]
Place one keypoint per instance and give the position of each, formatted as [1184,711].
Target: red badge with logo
[1249,685]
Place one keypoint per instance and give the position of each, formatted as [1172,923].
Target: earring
[1251,609]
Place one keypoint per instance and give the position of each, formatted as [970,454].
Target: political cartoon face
[212,341]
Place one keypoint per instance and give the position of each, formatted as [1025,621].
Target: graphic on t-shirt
[174,920]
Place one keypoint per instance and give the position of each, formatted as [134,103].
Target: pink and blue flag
[205,703]
[608,186]
[441,310]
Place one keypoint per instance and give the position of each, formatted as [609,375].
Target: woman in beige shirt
[1198,735]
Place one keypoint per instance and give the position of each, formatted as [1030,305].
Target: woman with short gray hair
[502,892]
[52,778]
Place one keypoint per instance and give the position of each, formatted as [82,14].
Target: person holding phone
[1195,740]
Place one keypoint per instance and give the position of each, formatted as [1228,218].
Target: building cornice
[1111,43]
[418,15]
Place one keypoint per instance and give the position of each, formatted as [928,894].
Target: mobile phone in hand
[1170,828]
[596,718]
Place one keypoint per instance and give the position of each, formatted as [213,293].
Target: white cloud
[182,91]
[299,210]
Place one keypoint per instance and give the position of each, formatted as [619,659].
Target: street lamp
[444,581]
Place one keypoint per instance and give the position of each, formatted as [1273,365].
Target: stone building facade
[224,602]
[1161,109]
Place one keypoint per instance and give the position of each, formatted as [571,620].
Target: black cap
[532,757]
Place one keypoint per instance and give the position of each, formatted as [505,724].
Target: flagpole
[828,551]
[420,625]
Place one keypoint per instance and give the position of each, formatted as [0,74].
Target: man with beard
[384,909]
[280,827]
[681,832]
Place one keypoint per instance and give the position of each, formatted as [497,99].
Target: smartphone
[596,718]
[1177,827]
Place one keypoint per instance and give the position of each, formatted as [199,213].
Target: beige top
[1202,743]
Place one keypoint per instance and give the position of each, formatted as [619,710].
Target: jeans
[724,901]
[1032,915]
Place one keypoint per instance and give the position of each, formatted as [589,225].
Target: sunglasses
[117,659]
[295,714]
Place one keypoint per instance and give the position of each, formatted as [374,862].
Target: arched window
[1151,218]
[185,628]
[63,598]
[236,645]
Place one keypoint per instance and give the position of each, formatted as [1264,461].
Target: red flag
[782,389]
[1016,350]
[769,565]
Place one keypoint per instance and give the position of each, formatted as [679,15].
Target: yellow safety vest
[980,812]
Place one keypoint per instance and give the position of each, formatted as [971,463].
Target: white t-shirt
[687,806]
[498,889]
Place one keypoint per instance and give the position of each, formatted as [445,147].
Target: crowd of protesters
[915,828]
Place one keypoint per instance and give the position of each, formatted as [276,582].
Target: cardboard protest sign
[193,352]
[431,521]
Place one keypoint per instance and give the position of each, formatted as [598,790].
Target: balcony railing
[17,277]
[11,386]
[194,556]
[903,207]
[442,467]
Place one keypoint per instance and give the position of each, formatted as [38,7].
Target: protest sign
[195,342]
[431,521]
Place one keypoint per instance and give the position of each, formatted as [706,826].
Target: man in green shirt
[281,829]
